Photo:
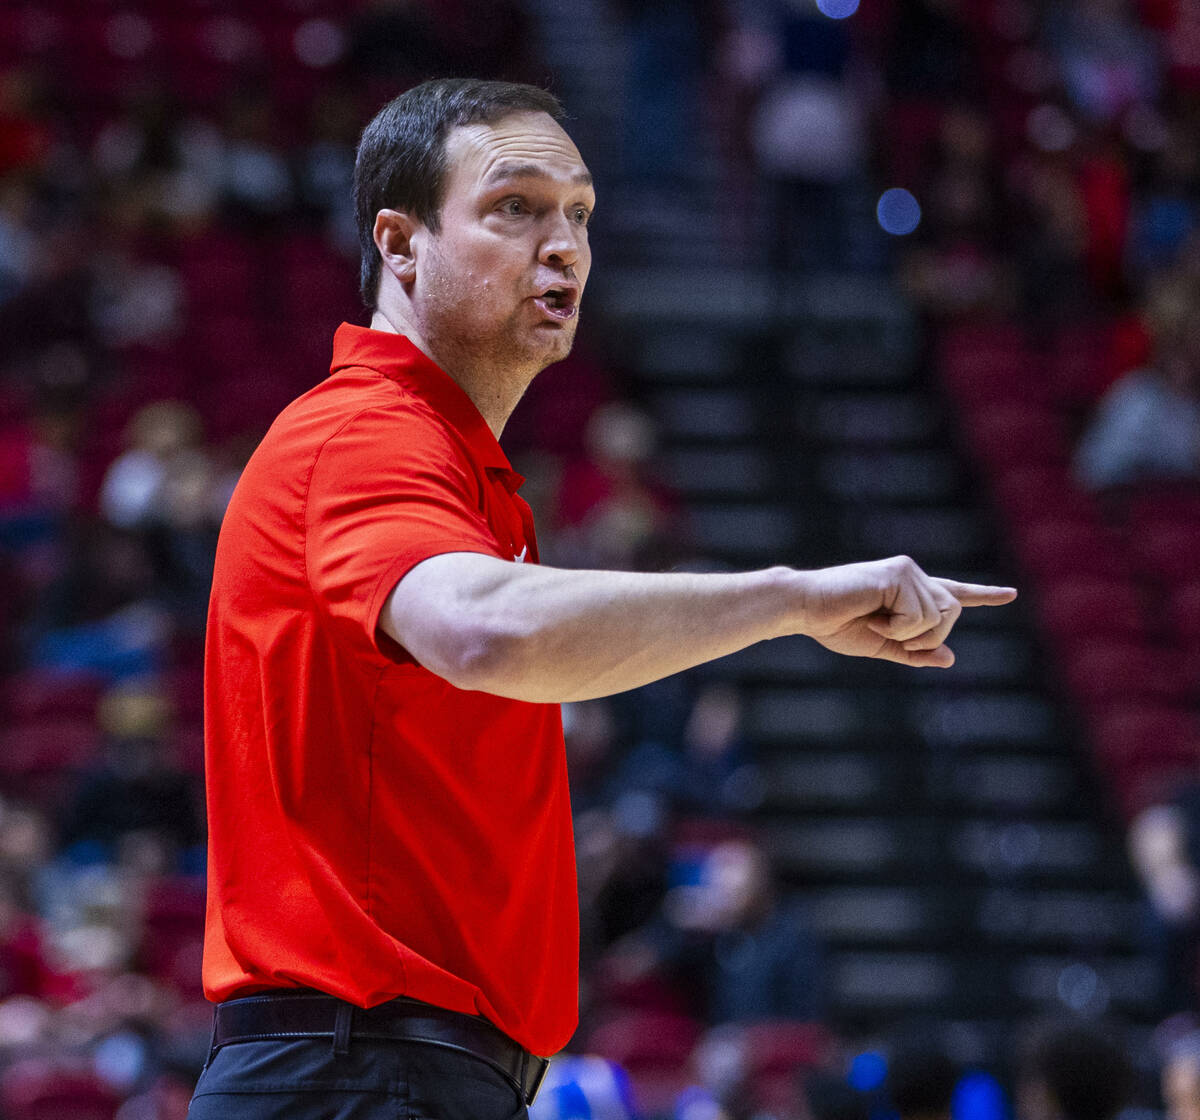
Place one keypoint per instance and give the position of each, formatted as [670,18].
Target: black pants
[305,1080]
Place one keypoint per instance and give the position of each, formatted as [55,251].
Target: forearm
[552,635]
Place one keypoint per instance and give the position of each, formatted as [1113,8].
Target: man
[1072,1071]
[392,924]
[1181,1078]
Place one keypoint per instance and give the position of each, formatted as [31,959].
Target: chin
[555,348]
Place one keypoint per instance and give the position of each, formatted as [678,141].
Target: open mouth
[558,303]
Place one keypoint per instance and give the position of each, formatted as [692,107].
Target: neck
[493,390]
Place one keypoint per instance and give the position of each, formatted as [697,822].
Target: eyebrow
[503,171]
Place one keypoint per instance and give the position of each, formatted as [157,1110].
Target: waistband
[300,1013]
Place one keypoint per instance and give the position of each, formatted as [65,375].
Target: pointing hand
[891,609]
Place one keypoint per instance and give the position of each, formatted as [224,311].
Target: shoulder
[391,425]
[356,410]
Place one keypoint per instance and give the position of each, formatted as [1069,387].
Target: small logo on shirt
[521,559]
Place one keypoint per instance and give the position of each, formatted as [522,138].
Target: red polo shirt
[374,831]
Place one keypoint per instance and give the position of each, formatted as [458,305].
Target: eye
[581,215]
[513,207]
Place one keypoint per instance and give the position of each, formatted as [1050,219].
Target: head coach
[392,920]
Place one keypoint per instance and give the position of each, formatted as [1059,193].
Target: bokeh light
[898,211]
[837,9]
[978,1096]
[867,1072]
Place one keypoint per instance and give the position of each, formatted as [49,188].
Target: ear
[394,231]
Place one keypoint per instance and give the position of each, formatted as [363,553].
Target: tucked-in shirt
[375,831]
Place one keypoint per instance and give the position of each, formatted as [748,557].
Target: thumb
[940,658]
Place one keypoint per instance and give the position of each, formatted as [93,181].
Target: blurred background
[913,276]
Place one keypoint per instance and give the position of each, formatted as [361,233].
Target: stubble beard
[511,353]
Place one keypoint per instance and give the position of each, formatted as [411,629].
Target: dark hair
[401,161]
[1086,1073]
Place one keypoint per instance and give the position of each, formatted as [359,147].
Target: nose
[561,245]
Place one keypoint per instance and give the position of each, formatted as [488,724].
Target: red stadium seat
[39,756]
[655,1049]
[1028,492]
[1057,548]
[989,365]
[173,932]
[41,1089]
[1164,503]
[646,993]
[1146,730]
[38,693]
[912,126]
[1011,434]
[1147,751]
[1077,364]
[187,743]
[1076,609]
[1183,609]
[1167,552]
[221,275]
[774,1052]
[1102,672]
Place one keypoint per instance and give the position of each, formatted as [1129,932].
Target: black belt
[302,1014]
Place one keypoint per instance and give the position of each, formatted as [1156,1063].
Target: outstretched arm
[553,635]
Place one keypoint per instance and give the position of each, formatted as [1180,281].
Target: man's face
[499,284]
[1181,1089]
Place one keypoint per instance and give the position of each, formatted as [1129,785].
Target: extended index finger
[978,594]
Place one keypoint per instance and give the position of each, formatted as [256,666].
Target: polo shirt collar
[399,360]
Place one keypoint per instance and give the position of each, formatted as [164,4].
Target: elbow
[485,658]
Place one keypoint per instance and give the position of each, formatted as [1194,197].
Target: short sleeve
[391,488]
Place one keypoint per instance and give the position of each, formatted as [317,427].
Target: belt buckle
[543,1064]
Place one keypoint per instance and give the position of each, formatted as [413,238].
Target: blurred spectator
[1108,61]
[809,141]
[1052,243]
[955,269]
[326,166]
[610,512]
[622,873]
[168,488]
[166,1098]
[733,941]
[23,966]
[157,166]
[18,239]
[1072,1071]
[921,1079]
[1181,1078]
[25,132]
[132,301]
[1104,190]
[164,446]
[711,773]
[584,1087]
[39,474]
[256,183]
[1164,846]
[134,802]
[1147,426]
[1166,206]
